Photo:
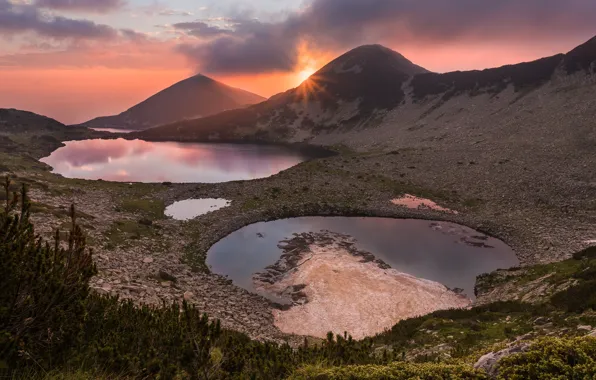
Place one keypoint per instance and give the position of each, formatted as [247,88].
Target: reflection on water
[191,208]
[113,130]
[141,161]
[447,253]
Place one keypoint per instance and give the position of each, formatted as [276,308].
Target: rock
[146,222]
[166,276]
[540,321]
[166,284]
[188,296]
[148,260]
[489,363]
[584,327]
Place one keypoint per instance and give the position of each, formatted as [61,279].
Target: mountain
[346,92]
[23,131]
[374,87]
[194,97]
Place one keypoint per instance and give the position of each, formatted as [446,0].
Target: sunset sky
[77,59]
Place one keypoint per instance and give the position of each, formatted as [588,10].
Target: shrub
[393,371]
[552,358]
[44,287]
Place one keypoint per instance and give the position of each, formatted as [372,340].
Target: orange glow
[77,95]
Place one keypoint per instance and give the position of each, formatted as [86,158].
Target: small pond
[191,208]
[141,161]
[446,253]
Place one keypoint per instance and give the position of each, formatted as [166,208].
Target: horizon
[77,60]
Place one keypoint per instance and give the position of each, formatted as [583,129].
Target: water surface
[191,208]
[141,161]
[447,253]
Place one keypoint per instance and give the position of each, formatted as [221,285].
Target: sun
[305,74]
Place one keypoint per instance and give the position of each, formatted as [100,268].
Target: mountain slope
[374,87]
[23,132]
[194,97]
[346,93]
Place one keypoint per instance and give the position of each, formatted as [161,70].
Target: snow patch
[413,202]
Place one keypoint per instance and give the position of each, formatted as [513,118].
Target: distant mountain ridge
[197,96]
[372,86]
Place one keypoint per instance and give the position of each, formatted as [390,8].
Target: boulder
[489,363]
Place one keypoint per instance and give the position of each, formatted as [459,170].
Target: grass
[150,208]
[123,233]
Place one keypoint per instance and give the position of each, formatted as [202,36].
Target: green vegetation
[147,207]
[557,276]
[552,359]
[397,371]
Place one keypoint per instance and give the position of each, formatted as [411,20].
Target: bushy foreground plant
[43,287]
[552,359]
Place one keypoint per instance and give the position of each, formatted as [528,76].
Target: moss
[123,233]
[148,207]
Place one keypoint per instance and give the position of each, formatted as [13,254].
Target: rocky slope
[194,97]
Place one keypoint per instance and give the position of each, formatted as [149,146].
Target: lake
[142,161]
[446,253]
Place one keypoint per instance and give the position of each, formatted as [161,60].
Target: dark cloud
[23,18]
[252,46]
[101,6]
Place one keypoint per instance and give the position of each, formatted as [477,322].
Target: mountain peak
[372,57]
[193,97]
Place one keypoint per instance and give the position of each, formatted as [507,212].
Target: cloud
[174,12]
[26,18]
[100,6]
[251,46]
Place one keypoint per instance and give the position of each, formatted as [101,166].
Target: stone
[146,222]
[166,276]
[148,260]
[188,296]
[166,284]
[540,321]
[584,327]
[489,363]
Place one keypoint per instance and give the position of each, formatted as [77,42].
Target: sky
[74,60]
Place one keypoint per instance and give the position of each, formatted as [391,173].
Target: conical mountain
[195,97]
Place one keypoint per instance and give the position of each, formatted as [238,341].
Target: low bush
[552,359]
